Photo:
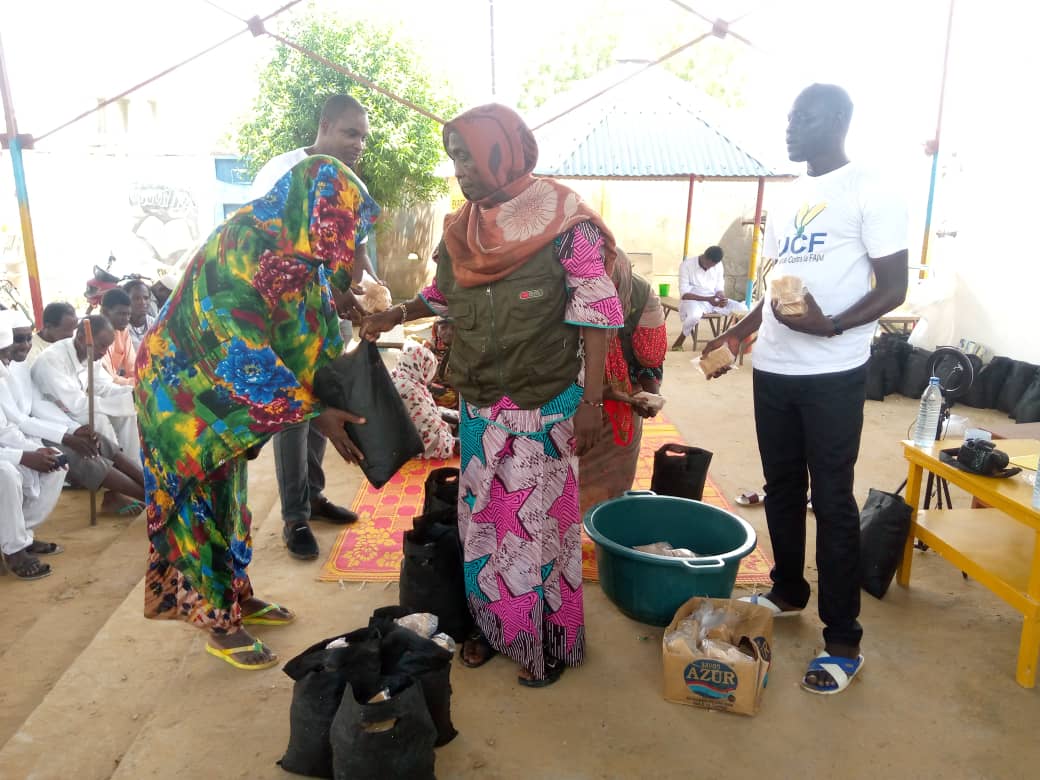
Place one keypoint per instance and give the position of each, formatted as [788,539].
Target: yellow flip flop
[258,619]
[256,647]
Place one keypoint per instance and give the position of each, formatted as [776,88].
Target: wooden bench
[900,324]
[719,323]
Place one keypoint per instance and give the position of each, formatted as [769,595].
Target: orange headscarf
[490,239]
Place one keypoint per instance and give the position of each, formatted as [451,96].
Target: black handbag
[358,382]
[680,471]
[884,524]
[387,739]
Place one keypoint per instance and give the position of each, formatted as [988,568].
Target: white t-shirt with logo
[697,280]
[276,168]
[825,232]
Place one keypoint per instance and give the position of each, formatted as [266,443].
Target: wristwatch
[838,330]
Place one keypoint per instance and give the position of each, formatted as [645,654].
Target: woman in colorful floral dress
[230,361]
[524,273]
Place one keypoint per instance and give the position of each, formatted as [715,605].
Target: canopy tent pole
[752,273]
[934,146]
[14,145]
[689,213]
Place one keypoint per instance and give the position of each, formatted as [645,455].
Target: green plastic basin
[650,588]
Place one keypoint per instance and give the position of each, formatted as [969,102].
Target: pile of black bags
[338,726]
[1012,386]
[377,706]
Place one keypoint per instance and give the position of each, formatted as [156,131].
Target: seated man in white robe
[59,378]
[94,463]
[702,287]
[31,477]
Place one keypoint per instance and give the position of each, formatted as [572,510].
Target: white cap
[15,318]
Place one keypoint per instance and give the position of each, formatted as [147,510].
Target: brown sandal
[487,651]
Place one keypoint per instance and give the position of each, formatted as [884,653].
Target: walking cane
[88,336]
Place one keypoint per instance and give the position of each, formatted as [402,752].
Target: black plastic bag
[883,527]
[1018,380]
[875,385]
[358,382]
[388,739]
[432,575]
[888,355]
[1028,407]
[321,678]
[897,350]
[915,373]
[680,471]
[402,651]
[988,383]
[442,490]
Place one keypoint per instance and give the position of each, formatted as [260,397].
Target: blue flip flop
[841,670]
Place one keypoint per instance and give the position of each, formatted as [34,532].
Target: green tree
[404,147]
[555,72]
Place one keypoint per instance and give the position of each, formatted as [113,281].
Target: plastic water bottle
[1036,490]
[928,414]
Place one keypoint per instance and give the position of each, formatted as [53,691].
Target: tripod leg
[927,503]
[946,490]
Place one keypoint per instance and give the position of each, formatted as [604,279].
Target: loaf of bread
[788,292]
[716,359]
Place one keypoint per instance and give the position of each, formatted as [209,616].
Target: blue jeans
[298,452]
[810,426]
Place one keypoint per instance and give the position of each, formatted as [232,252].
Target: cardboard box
[700,681]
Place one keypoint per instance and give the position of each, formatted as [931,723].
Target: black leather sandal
[554,669]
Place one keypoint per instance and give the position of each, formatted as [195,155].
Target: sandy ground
[90,689]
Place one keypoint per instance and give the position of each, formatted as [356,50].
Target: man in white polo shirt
[842,230]
[702,285]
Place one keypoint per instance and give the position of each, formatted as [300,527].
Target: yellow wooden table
[998,547]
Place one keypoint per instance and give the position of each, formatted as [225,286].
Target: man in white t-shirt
[842,230]
[300,449]
[702,285]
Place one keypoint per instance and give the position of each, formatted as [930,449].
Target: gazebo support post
[755,243]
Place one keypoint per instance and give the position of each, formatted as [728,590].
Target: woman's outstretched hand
[375,324]
[330,423]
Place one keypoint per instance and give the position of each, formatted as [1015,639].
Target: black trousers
[810,426]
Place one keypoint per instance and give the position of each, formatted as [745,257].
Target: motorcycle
[104,280]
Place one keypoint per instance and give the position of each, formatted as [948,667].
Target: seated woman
[414,372]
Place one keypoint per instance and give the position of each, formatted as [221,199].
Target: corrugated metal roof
[642,129]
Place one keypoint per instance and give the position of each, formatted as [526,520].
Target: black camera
[982,457]
[62,460]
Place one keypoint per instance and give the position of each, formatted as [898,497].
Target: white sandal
[764,601]
[841,670]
